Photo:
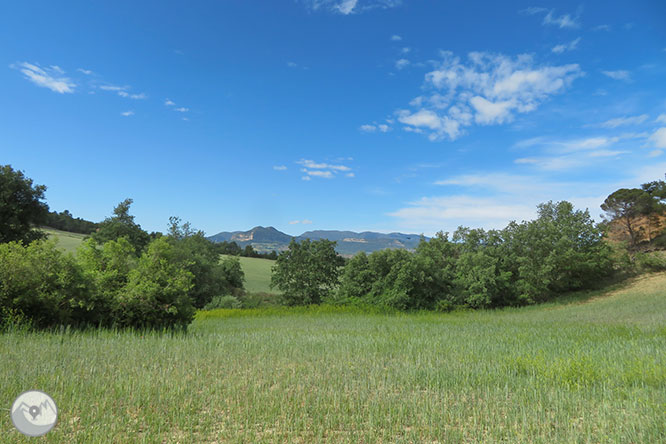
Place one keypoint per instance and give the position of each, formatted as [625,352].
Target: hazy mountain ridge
[266,239]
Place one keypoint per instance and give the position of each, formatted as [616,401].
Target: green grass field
[64,239]
[591,369]
[257,274]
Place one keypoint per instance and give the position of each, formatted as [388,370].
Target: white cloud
[46,77]
[304,222]
[322,170]
[563,21]
[402,63]
[131,96]
[182,109]
[655,153]
[292,64]
[661,118]
[368,128]
[313,165]
[618,75]
[319,173]
[405,50]
[602,28]
[396,38]
[658,138]
[294,222]
[279,168]
[487,89]
[127,113]
[168,102]
[347,7]
[382,127]
[624,121]
[350,175]
[114,88]
[559,49]
[85,71]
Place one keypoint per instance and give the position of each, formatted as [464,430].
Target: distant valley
[267,239]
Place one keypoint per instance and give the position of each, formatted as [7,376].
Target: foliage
[21,206]
[654,261]
[122,224]
[223,302]
[562,250]
[42,284]
[157,291]
[66,222]
[627,205]
[200,257]
[307,272]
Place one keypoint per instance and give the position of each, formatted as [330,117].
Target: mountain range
[267,239]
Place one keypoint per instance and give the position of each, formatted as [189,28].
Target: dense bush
[307,272]
[533,261]
[42,284]
[223,302]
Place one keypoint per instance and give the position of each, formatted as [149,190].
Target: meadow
[590,368]
[257,274]
[64,239]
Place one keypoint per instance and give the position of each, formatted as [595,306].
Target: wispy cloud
[396,38]
[51,77]
[602,28]
[658,138]
[304,222]
[618,75]
[279,167]
[561,21]
[661,118]
[346,7]
[85,71]
[402,63]
[169,102]
[486,89]
[622,121]
[182,109]
[559,49]
[127,113]
[383,128]
[322,170]
[123,91]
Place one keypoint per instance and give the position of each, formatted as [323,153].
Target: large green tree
[627,205]
[122,224]
[21,206]
[307,272]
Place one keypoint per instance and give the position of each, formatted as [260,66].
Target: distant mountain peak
[266,239]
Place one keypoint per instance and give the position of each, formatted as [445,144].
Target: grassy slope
[257,274]
[66,240]
[590,370]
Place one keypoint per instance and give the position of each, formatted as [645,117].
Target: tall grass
[592,370]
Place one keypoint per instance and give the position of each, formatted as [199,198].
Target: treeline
[66,222]
[525,263]
[233,249]
[121,277]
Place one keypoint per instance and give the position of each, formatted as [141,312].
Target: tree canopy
[21,206]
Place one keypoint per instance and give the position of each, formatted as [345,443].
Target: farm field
[257,274]
[67,241]
[590,369]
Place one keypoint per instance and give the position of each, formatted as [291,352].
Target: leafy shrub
[43,284]
[223,302]
[157,292]
[655,261]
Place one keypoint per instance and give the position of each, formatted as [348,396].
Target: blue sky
[385,115]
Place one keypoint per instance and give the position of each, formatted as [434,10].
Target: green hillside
[65,240]
[257,274]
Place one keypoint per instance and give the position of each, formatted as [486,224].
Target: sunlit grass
[592,370]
